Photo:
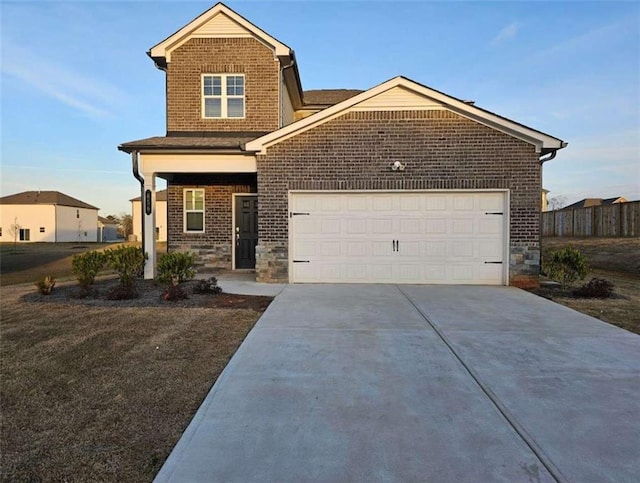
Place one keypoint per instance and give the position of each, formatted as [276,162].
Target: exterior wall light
[398,166]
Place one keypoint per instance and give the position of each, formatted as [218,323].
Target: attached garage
[439,237]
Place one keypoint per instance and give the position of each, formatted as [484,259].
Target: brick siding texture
[441,149]
[213,247]
[222,56]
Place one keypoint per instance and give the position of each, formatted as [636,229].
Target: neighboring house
[107,229]
[589,202]
[545,200]
[47,216]
[400,183]
[161,216]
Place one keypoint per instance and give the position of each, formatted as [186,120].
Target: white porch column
[148,206]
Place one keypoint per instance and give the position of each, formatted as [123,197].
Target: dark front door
[246,230]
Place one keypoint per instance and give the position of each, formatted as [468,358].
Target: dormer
[224,74]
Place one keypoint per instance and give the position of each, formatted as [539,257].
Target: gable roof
[588,202]
[230,24]
[544,143]
[44,198]
[160,196]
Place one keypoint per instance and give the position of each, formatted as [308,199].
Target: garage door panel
[358,248]
[398,237]
[382,226]
[462,226]
[491,225]
[462,249]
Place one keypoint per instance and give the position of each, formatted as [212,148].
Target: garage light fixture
[398,166]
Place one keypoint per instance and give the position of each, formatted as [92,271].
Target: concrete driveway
[419,383]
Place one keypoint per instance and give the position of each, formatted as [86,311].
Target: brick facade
[442,150]
[221,56]
[213,247]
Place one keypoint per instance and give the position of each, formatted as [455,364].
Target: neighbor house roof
[106,221]
[544,143]
[222,140]
[44,198]
[160,196]
[588,202]
[327,97]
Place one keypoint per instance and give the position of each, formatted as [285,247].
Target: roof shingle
[44,198]
[328,97]
[189,141]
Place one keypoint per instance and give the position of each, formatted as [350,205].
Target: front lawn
[94,390]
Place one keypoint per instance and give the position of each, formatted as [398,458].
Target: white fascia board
[537,138]
[164,48]
[167,162]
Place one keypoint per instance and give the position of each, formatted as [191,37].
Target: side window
[194,210]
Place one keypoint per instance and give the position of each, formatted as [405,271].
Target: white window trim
[223,96]
[185,211]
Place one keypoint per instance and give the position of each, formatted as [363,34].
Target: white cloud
[508,32]
[88,95]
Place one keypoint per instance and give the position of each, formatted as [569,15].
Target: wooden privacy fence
[620,219]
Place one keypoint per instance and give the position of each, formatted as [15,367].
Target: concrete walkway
[419,383]
[243,282]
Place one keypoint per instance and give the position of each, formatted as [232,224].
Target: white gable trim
[430,99]
[200,27]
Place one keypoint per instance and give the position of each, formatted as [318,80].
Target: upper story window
[222,96]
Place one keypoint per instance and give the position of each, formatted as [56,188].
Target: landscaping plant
[207,286]
[175,293]
[566,266]
[596,288]
[128,261]
[45,285]
[85,266]
[176,267]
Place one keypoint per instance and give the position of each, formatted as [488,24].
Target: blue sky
[76,80]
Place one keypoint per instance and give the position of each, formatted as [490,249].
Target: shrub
[207,286]
[176,267]
[566,266]
[596,288]
[128,261]
[85,266]
[122,292]
[175,293]
[45,285]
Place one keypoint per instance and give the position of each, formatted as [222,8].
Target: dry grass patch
[610,254]
[96,391]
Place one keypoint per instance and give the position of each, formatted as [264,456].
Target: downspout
[136,174]
[281,83]
[543,160]
[552,155]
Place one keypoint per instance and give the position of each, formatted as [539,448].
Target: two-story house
[400,183]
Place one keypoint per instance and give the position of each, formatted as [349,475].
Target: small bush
[596,288]
[128,261]
[45,285]
[175,293]
[85,266]
[566,266]
[122,292]
[176,267]
[209,286]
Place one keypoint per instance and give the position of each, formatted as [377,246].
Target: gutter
[136,174]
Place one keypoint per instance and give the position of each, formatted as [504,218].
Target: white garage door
[397,237]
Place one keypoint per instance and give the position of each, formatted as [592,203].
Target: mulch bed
[150,294]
